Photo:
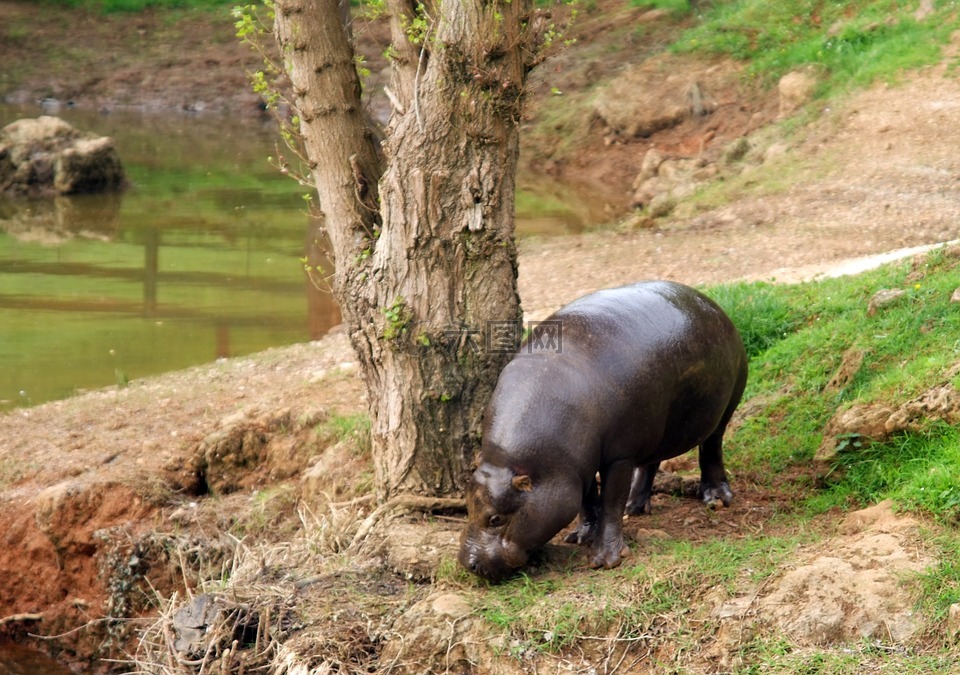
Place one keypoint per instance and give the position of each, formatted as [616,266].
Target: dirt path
[875,173]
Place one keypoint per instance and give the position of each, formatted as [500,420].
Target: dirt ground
[871,174]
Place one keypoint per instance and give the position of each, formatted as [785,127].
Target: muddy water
[202,258]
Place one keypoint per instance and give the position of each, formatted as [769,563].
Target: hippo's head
[510,515]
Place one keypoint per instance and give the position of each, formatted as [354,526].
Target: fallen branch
[404,503]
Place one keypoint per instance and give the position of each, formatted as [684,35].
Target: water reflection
[200,259]
[203,257]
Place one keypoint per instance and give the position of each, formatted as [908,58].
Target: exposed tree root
[403,503]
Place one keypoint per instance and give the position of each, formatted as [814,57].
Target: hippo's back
[623,330]
[655,363]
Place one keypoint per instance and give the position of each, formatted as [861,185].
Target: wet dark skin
[643,373]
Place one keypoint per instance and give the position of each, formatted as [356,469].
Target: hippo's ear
[522,483]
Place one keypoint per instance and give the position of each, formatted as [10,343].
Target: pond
[202,258]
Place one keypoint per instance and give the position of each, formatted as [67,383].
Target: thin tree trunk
[425,265]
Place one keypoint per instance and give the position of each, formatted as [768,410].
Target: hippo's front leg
[609,548]
[588,522]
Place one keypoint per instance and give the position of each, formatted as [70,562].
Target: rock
[329,476]
[883,298]
[44,156]
[660,94]
[192,622]
[925,9]
[877,422]
[775,150]
[849,589]
[416,550]
[864,422]
[649,189]
[956,295]
[879,518]
[648,167]
[652,15]
[451,605]
[667,482]
[953,620]
[661,205]
[89,166]
[796,90]
[663,183]
[849,367]
[937,403]
[644,533]
[678,170]
[440,635]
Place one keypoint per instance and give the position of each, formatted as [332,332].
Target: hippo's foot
[609,554]
[639,507]
[585,533]
[716,495]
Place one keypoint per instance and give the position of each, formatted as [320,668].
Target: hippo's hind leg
[641,489]
[713,478]
[589,519]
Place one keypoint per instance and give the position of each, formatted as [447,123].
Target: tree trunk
[426,262]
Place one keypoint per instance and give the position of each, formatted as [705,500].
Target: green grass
[779,655]
[851,43]
[799,335]
[940,584]
[346,427]
[917,470]
[548,613]
[676,6]
[760,311]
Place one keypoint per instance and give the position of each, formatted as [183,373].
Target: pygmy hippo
[615,381]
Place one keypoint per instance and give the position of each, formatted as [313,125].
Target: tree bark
[426,260]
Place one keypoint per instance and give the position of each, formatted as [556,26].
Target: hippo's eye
[496,520]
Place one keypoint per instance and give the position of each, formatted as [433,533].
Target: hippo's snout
[490,557]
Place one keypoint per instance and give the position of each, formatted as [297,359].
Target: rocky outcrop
[47,156]
[857,426]
[660,94]
[849,588]
[796,89]
[663,182]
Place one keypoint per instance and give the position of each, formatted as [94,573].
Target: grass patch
[760,311]
[675,6]
[550,613]
[853,43]
[346,427]
[917,471]
[779,655]
[798,336]
[940,584]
